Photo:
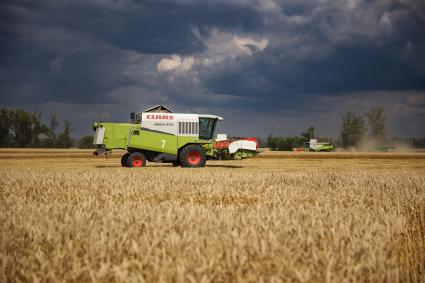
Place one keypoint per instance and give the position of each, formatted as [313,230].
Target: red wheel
[137,162]
[192,156]
[136,159]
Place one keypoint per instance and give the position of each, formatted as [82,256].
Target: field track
[279,217]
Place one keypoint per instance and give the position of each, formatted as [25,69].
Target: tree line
[19,128]
[355,129]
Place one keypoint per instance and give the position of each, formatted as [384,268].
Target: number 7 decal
[163,143]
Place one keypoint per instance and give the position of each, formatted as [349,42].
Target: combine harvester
[314,146]
[158,135]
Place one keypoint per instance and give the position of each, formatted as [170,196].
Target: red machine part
[225,143]
[222,144]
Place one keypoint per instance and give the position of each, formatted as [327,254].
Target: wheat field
[280,217]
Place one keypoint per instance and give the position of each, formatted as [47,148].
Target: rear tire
[136,159]
[193,156]
[124,159]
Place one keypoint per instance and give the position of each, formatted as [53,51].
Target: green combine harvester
[180,139]
[315,146]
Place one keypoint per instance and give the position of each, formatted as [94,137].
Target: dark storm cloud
[343,53]
[145,26]
[250,55]
[79,40]
[347,69]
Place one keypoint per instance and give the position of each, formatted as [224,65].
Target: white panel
[99,135]
[162,122]
[242,144]
[221,137]
[189,124]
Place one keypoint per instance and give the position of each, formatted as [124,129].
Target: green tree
[86,142]
[289,143]
[18,128]
[51,140]
[38,128]
[64,138]
[273,142]
[376,122]
[352,130]
[5,127]
[21,128]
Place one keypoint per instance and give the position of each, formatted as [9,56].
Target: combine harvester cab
[181,139]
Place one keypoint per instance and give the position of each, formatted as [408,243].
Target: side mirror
[132,116]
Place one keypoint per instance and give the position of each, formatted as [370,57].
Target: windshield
[206,128]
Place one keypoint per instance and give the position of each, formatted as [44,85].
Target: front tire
[193,156]
[136,159]
[124,159]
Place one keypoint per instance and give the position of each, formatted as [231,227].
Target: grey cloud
[103,56]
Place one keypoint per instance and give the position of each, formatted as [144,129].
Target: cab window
[206,128]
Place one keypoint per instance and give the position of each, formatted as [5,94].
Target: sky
[266,66]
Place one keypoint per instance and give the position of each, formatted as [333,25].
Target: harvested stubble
[342,155]
[251,220]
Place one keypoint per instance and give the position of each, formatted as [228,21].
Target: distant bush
[86,142]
